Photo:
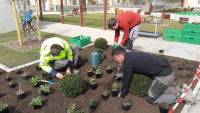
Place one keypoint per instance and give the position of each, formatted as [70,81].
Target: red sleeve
[126,35]
[117,33]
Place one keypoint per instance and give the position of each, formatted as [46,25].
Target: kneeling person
[56,54]
[154,66]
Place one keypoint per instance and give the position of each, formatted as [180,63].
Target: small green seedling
[93,104]
[73,109]
[12,83]
[36,102]
[45,89]
[3,107]
[36,81]
[115,85]
[105,94]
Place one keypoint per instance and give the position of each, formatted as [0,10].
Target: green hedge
[72,86]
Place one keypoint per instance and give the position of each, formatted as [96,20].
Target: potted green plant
[126,105]
[90,72]
[36,102]
[4,107]
[93,84]
[36,81]
[98,73]
[45,90]
[109,69]
[115,89]
[12,84]
[93,104]
[105,94]
[20,93]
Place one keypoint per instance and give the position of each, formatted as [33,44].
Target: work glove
[115,45]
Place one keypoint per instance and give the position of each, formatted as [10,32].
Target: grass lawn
[10,57]
[90,20]
[95,20]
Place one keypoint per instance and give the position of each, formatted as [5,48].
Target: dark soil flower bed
[57,102]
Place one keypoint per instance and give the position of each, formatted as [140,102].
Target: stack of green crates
[80,40]
[191,34]
[172,34]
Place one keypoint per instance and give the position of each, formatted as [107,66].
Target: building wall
[191,3]
[7,22]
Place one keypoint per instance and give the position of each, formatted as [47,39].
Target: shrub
[36,101]
[140,85]
[100,43]
[45,89]
[3,106]
[72,86]
[73,109]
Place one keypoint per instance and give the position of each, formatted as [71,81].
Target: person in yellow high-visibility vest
[56,54]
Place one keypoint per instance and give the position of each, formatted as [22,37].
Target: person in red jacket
[129,23]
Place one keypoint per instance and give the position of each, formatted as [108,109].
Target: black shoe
[150,100]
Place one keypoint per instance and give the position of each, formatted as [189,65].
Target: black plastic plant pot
[6,110]
[93,107]
[90,73]
[37,106]
[44,93]
[104,97]
[114,92]
[93,86]
[37,85]
[98,75]
[21,95]
[126,106]
[108,70]
[163,108]
[161,51]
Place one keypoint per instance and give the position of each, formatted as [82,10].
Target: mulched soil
[56,102]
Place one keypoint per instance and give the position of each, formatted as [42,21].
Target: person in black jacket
[154,66]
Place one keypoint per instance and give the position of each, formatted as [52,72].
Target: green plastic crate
[191,32]
[190,39]
[172,34]
[80,40]
[195,27]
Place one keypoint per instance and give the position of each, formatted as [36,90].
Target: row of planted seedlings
[36,81]
[114,91]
